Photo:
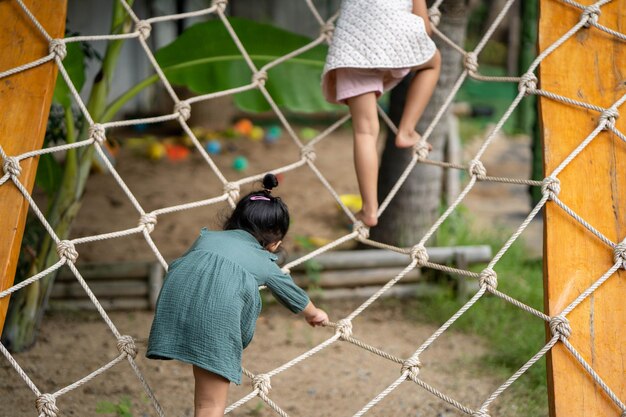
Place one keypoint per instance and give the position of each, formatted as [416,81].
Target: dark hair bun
[270,181]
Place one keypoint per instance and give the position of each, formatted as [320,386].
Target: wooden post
[590,67]
[25,102]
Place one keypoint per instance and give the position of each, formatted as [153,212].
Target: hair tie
[259,197]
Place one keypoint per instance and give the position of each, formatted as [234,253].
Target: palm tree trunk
[415,208]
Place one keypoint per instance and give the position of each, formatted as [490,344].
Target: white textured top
[378,34]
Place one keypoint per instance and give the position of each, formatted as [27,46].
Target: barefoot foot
[407,139]
[370,220]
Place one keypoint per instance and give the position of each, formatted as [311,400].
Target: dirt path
[336,382]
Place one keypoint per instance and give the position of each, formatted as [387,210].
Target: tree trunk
[415,208]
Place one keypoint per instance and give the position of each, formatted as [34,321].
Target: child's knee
[367,127]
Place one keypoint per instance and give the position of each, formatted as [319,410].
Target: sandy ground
[336,382]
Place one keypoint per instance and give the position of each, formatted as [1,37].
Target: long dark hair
[262,215]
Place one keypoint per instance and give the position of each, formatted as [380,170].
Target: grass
[513,335]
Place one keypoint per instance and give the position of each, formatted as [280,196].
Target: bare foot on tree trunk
[369,218]
[407,139]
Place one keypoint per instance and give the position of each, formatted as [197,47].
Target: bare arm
[420,9]
[313,315]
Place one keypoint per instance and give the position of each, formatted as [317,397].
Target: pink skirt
[340,84]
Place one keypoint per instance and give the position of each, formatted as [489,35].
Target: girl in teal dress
[207,309]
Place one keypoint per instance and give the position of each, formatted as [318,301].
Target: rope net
[417,255]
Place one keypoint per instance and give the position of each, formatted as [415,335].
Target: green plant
[312,267]
[258,408]
[207,67]
[122,409]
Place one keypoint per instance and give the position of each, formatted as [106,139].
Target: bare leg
[365,125]
[418,96]
[210,393]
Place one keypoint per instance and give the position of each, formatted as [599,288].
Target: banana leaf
[205,59]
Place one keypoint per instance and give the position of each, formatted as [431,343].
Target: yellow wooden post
[590,67]
[24,105]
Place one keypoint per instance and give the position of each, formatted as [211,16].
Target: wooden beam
[590,67]
[25,102]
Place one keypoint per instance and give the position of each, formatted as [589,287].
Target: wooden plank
[100,289]
[373,258]
[25,102]
[110,271]
[590,67]
[109,304]
[356,277]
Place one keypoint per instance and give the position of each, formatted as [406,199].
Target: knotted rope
[11,166]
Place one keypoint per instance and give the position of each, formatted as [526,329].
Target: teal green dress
[207,309]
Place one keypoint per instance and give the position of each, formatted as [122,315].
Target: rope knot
[148,221]
[481,413]
[488,278]
[559,326]
[11,165]
[362,230]
[551,186]
[421,149]
[412,365]
[590,15]
[97,133]
[619,253]
[126,345]
[471,62]
[221,4]
[419,253]
[67,250]
[46,405]
[528,83]
[143,28]
[183,109]
[308,153]
[608,117]
[435,15]
[344,328]
[262,383]
[476,168]
[58,48]
[259,77]
[327,30]
[232,189]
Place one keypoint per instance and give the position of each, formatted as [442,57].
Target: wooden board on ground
[25,102]
[589,67]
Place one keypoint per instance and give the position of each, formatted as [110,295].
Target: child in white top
[375,44]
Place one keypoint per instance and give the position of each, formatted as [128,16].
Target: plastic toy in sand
[155,151]
[272,134]
[352,201]
[213,147]
[308,133]
[240,164]
[176,153]
[256,133]
[243,127]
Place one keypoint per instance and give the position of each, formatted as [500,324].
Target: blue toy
[213,147]
[272,134]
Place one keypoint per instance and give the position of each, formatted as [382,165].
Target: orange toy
[243,127]
[176,153]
